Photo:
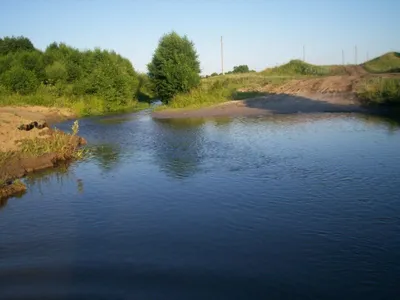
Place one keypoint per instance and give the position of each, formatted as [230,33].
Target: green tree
[15,44]
[19,80]
[56,72]
[175,67]
[241,69]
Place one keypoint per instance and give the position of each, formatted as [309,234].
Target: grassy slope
[298,68]
[218,89]
[387,63]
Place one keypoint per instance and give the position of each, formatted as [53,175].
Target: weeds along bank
[36,150]
[380,91]
[90,82]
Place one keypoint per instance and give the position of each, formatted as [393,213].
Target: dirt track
[306,95]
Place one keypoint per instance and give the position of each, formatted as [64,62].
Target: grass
[219,89]
[300,68]
[64,145]
[380,91]
[88,105]
[387,63]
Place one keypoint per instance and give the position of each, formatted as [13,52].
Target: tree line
[69,72]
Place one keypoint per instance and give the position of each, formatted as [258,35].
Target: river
[278,207]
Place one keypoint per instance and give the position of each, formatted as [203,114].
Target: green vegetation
[90,82]
[380,91]
[299,67]
[216,90]
[387,63]
[175,67]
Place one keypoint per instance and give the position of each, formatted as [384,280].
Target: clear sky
[259,33]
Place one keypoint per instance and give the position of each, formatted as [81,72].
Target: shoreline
[271,104]
[21,151]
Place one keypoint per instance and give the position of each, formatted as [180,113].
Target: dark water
[285,207]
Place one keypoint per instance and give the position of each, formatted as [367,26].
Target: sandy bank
[272,104]
[16,163]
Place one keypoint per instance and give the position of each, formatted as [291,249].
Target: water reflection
[62,175]
[106,156]
[178,146]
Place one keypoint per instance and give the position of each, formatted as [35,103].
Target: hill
[387,63]
[299,67]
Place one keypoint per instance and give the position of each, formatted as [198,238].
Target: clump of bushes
[67,75]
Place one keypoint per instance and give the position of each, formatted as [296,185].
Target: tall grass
[82,105]
[380,91]
[219,89]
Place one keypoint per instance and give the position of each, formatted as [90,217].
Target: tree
[175,67]
[241,69]
[15,44]
[20,80]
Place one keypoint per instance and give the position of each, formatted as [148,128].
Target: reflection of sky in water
[306,200]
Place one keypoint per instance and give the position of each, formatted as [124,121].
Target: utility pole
[367,56]
[222,56]
[304,53]
[342,57]
[355,54]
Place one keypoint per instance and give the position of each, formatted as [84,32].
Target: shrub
[56,72]
[20,80]
[175,67]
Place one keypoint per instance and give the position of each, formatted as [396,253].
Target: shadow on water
[291,104]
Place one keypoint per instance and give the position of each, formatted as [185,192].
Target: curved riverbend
[289,207]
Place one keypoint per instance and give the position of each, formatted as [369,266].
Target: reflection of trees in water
[106,156]
[179,144]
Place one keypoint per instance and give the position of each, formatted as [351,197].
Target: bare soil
[15,164]
[307,95]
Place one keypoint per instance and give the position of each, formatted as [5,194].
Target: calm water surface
[284,207]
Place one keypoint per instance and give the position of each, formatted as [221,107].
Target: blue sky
[259,33]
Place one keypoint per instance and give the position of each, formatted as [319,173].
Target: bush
[175,67]
[56,72]
[20,80]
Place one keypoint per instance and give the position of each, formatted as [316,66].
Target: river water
[282,207]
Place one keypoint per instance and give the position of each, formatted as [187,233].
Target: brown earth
[15,164]
[306,95]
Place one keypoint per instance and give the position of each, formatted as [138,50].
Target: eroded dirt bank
[23,151]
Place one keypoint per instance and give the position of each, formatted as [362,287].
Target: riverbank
[252,95]
[271,104]
[23,151]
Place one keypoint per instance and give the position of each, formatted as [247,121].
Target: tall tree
[175,67]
